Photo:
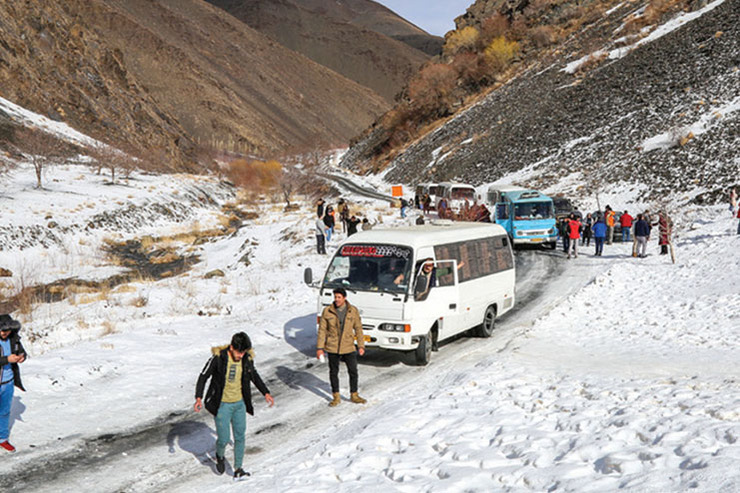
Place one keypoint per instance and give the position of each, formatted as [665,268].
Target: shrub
[500,53]
[542,36]
[470,69]
[465,39]
[431,87]
[258,176]
[493,27]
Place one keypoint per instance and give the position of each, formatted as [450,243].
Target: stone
[215,273]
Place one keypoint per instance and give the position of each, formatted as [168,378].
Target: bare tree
[291,181]
[43,149]
[113,159]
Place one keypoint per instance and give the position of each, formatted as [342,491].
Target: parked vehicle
[617,224]
[564,207]
[456,194]
[406,306]
[526,215]
[428,188]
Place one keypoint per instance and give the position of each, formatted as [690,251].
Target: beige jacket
[329,330]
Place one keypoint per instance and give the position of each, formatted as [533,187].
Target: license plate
[367,338]
[536,240]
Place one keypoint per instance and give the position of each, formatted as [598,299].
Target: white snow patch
[711,118]
[59,129]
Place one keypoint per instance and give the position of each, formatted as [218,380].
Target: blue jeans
[234,415]
[6,399]
[599,240]
[625,234]
[329,231]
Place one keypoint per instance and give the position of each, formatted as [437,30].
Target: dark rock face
[598,122]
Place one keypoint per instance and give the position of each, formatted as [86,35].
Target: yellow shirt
[233,384]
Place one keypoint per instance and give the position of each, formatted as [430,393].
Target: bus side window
[502,212]
[445,274]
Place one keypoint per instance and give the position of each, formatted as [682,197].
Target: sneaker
[240,474]
[7,446]
[220,464]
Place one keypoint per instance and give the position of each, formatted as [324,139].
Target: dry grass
[125,288]
[109,328]
[139,301]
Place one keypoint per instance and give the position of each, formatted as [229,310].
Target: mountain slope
[660,114]
[168,73]
[355,39]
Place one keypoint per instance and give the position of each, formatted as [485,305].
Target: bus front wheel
[489,322]
[423,352]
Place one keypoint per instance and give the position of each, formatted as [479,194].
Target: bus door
[503,216]
[436,291]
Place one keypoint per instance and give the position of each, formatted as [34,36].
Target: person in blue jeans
[11,355]
[599,230]
[229,396]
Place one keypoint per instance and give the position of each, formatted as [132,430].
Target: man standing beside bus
[339,328]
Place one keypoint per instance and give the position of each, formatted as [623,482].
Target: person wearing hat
[11,355]
[229,396]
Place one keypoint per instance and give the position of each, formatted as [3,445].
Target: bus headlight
[395,327]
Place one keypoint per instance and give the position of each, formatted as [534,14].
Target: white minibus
[456,194]
[418,285]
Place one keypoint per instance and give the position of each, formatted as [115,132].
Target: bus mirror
[308,276]
[421,290]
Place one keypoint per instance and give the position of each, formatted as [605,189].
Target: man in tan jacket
[340,328]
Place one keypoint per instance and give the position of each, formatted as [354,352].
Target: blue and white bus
[527,215]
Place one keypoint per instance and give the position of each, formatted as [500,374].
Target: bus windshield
[533,210]
[463,193]
[370,268]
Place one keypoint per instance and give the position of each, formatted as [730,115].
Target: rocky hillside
[361,40]
[658,111]
[167,74]
[376,17]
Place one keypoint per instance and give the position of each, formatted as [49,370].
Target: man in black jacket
[11,355]
[229,396]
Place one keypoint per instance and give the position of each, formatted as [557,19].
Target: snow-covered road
[162,452]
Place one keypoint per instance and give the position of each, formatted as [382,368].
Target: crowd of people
[575,229]
[475,212]
[326,224]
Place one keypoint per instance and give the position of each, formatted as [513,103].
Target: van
[456,194]
[416,286]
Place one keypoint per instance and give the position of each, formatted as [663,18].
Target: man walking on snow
[574,225]
[625,221]
[11,355]
[229,396]
[642,233]
[339,328]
